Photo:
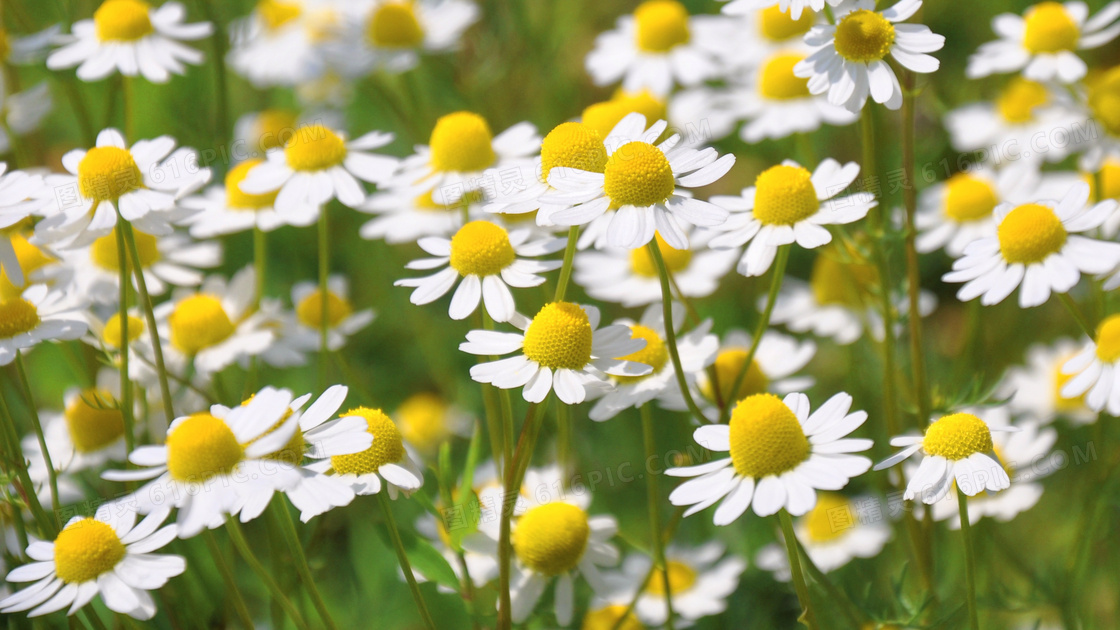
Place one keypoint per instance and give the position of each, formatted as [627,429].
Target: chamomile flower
[789,204]
[342,321]
[561,348]
[1042,41]
[406,214]
[226,209]
[1093,371]
[700,581]
[39,314]
[108,554]
[16,206]
[386,460]
[1102,95]
[1038,246]
[391,35]
[1036,388]
[86,434]
[774,28]
[794,7]
[780,456]
[639,184]
[603,116]
[317,165]
[266,129]
[133,38]
[36,263]
[489,260]
[850,60]
[426,421]
[610,612]
[281,42]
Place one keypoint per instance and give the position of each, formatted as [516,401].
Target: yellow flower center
[1019,98]
[836,282]
[1049,28]
[573,145]
[85,550]
[314,148]
[201,447]
[481,248]
[784,195]
[638,174]
[423,421]
[17,316]
[1061,403]
[277,13]
[1104,100]
[293,450]
[728,364]
[660,25]
[551,538]
[94,420]
[641,263]
[602,117]
[199,322]
[969,198]
[777,81]
[104,251]
[1109,176]
[30,258]
[681,578]
[122,20]
[394,25]
[766,437]
[111,334]
[612,617]
[461,142]
[559,337]
[106,173]
[957,436]
[310,310]
[238,199]
[387,447]
[864,36]
[1030,233]
[655,354]
[777,25]
[274,127]
[1108,339]
[830,518]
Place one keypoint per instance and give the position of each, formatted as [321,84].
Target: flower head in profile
[1094,372]
[391,35]
[281,42]
[1036,387]
[795,8]
[226,209]
[38,314]
[386,460]
[700,580]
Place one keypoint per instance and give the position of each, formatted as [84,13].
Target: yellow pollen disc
[784,195]
[94,420]
[676,260]
[481,248]
[277,13]
[1108,339]
[638,174]
[1019,99]
[199,322]
[777,25]
[1104,100]
[394,25]
[106,173]
[274,128]
[777,81]
[1030,233]
[864,36]
[1109,175]
[422,419]
[837,282]
[293,449]
[238,199]
[1049,28]
[830,519]
[573,145]
[310,309]
[104,251]
[387,447]
[655,354]
[602,117]
[461,143]
[559,337]
[30,258]
[681,578]
[201,447]
[766,437]
[17,316]
[728,364]
[314,148]
[957,436]
[660,25]
[969,198]
[111,334]
[85,550]
[1061,403]
[122,20]
[551,538]
[608,618]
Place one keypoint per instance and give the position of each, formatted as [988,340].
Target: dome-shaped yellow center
[638,174]
[277,13]
[573,145]
[602,117]
[829,519]
[274,127]
[201,447]
[551,538]
[559,337]
[728,364]
[1109,189]
[293,450]
[310,309]
[461,142]
[122,20]
[111,334]
[30,258]
[1104,100]
[106,173]
[422,419]
[86,549]
[969,198]
[17,316]
[1020,98]
[766,437]
[1108,339]
[660,25]
[681,578]
[199,322]
[237,199]
[655,354]
[835,281]
[394,25]
[777,25]
[94,420]
[777,81]
[315,148]
[784,195]
[481,248]
[676,260]
[1030,233]
[957,436]
[1049,28]
[612,617]
[864,36]
[104,251]
[387,447]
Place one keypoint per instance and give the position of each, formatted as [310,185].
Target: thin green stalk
[1078,316]
[221,111]
[235,596]
[402,557]
[284,519]
[324,294]
[564,442]
[92,619]
[909,196]
[33,412]
[127,406]
[566,269]
[26,487]
[670,333]
[854,615]
[260,263]
[653,497]
[89,134]
[970,561]
[246,553]
[150,316]
[808,617]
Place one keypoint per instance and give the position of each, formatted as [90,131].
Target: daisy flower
[88,433]
[226,209]
[391,35]
[603,116]
[342,321]
[775,28]
[789,204]
[406,213]
[1036,388]
[1037,245]
[780,456]
[1042,42]
[315,166]
[658,46]
[108,554]
[697,350]
[1102,96]
[561,348]
[610,612]
[489,260]
[131,37]
[793,7]
[699,582]
[639,184]
[1093,371]
[956,447]
[426,421]
[16,206]
[266,129]
[386,459]
[850,60]
[38,314]
[281,42]
[36,263]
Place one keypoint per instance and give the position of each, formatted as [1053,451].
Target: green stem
[566,269]
[970,561]
[246,553]
[260,263]
[653,497]
[150,316]
[90,615]
[129,102]
[849,609]
[219,559]
[324,294]
[1078,316]
[33,411]
[807,616]
[564,442]
[402,557]
[127,406]
[221,113]
[909,195]
[26,486]
[284,519]
[670,333]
